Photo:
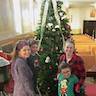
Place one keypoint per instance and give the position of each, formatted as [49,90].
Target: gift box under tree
[4,63]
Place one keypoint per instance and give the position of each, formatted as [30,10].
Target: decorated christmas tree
[52,33]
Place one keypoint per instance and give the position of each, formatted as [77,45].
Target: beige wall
[77,16]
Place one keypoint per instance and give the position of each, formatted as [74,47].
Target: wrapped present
[4,62]
[5,72]
[5,56]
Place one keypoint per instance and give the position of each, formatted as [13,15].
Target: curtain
[6,20]
[18,17]
[29,11]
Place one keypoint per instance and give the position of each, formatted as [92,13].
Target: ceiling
[81,3]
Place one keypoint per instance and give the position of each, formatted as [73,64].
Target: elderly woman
[76,63]
[21,73]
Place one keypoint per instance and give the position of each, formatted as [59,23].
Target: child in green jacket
[66,81]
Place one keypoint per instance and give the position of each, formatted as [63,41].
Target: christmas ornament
[48,88]
[56,64]
[61,14]
[50,67]
[36,63]
[50,24]
[62,18]
[47,59]
[57,26]
[53,30]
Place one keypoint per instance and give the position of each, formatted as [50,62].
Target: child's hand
[77,88]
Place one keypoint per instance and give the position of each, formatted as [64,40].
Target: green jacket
[70,82]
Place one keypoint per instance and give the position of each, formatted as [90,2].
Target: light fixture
[93,11]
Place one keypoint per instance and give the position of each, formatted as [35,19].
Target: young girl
[33,61]
[21,73]
[34,57]
[66,81]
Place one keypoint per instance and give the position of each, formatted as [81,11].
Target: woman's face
[25,52]
[69,48]
[66,72]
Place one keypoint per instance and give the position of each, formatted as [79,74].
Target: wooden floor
[86,48]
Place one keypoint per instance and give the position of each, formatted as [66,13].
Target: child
[66,81]
[33,61]
[21,73]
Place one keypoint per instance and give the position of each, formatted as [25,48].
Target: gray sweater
[23,78]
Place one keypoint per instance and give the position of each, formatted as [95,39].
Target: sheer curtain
[26,15]
[6,20]
[18,17]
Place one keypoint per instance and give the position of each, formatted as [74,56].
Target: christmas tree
[52,32]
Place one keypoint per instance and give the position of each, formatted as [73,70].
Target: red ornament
[36,62]
[50,67]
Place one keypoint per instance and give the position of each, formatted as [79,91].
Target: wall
[75,19]
[77,16]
